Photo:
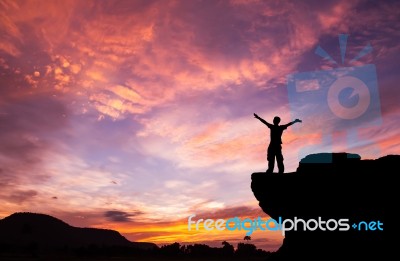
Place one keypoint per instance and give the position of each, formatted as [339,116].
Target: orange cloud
[164,57]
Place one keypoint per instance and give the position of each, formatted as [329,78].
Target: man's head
[277,120]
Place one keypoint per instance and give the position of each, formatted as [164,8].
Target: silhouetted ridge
[23,217]
[332,186]
[29,236]
[44,231]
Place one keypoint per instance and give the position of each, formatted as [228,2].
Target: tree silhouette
[246,250]
[247,238]
[228,249]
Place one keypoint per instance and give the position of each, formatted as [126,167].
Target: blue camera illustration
[340,99]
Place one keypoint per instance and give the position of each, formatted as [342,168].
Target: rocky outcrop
[332,186]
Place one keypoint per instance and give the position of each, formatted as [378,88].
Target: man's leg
[279,160]
[271,159]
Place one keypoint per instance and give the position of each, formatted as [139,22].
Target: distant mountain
[44,231]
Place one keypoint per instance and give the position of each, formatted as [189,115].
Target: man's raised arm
[291,123]
[262,120]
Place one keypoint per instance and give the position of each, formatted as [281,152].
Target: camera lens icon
[342,99]
[335,100]
[358,91]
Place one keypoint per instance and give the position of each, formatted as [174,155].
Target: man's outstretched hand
[256,116]
[297,120]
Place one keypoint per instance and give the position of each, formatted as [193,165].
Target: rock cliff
[332,186]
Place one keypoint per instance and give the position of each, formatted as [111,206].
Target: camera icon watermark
[340,99]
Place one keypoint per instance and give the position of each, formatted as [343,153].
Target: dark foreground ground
[71,258]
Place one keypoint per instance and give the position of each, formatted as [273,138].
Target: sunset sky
[133,115]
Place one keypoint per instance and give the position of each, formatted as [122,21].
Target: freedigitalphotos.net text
[283,225]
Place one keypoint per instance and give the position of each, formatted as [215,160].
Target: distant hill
[44,231]
[29,236]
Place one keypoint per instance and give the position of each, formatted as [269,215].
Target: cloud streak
[120,216]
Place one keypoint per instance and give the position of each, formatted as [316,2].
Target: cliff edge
[330,186]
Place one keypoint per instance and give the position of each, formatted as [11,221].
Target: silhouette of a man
[275,147]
